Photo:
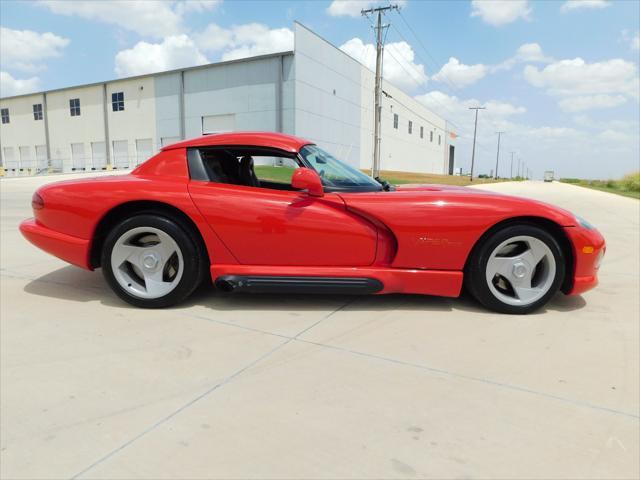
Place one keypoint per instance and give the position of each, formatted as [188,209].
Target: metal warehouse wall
[334,107]
[316,92]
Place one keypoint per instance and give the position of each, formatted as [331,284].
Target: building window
[117,101]
[431,136]
[37,111]
[4,113]
[74,107]
[410,127]
[421,132]
[439,139]
[395,121]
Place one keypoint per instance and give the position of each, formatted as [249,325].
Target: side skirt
[359,280]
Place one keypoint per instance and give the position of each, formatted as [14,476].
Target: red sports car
[266,212]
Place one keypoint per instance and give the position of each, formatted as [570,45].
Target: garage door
[41,157]
[218,124]
[120,154]
[98,156]
[26,160]
[9,159]
[144,150]
[169,140]
[78,159]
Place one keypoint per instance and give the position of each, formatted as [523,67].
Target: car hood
[426,199]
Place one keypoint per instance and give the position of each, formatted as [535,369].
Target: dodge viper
[268,212]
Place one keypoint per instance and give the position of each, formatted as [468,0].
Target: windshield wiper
[386,186]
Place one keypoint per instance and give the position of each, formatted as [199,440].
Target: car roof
[281,141]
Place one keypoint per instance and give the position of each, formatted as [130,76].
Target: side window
[274,170]
[242,166]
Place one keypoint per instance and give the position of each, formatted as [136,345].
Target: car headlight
[583,223]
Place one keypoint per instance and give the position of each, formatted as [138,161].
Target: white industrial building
[315,91]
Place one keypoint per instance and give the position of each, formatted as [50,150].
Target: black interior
[234,166]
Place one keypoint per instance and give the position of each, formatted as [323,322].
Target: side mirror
[309,180]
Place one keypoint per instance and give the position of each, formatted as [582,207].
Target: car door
[274,226]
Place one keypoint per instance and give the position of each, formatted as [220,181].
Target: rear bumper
[70,249]
[588,250]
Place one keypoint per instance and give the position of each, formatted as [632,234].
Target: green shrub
[631,182]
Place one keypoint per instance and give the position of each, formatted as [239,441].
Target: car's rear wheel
[151,261]
[516,269]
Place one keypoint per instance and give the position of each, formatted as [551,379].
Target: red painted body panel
[586,265]
[277,227]
[436,227]
[70,249]
[415,240]
[288,143]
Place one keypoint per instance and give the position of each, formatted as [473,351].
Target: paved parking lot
[318,387]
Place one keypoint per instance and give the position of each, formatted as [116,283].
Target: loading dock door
[452,154]
[26,161]
[144,150]
[98,155]
[77,156]
[164,141]
[120,154]
[41,157]
[218,124]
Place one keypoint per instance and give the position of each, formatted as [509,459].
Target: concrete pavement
[318,387]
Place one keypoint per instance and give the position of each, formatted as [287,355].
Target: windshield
[334,172]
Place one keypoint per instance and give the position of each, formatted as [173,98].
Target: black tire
[192,255]
[475,271]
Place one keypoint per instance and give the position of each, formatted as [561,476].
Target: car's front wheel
[516,269]
[151,261]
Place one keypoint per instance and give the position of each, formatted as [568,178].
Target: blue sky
[560,78]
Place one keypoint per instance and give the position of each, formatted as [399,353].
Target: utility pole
[375,168]
[518,173]
[473,150]
[511,171]
[498,155]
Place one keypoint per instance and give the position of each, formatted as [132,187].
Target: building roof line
[152,74]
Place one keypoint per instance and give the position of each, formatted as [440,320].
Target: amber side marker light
[37,203]
[587,249]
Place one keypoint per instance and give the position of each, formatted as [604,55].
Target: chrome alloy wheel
[147,262]
[520,270]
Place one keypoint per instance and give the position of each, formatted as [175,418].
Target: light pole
[473,150]
[498,155]
[511,170]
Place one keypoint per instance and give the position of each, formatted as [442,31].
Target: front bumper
[588,250]
[70,249]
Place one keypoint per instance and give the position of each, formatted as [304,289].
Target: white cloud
[577,77]
[457,110]
[528,52]
[256,39]
[584,4]
[197,6]
[151,18]
[399,66]
[173,52]
[352,8]
[500,12]
[241,41]
[570,151]
[591,102]
[13,86]
[632,39]
[25,49]
[460,75]
[635,42]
